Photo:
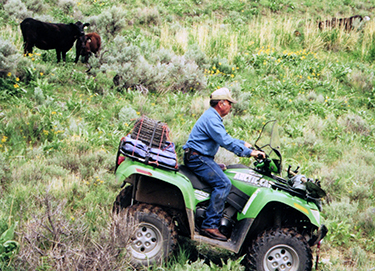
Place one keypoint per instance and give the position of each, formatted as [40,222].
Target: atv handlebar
[259,155]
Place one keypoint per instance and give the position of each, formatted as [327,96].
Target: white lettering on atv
[251,179]
[201,195]
[250,201]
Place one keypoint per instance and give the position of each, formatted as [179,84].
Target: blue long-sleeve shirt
[209,133]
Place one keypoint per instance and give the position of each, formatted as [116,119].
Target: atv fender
[129,168]
[263,197]
[176,190]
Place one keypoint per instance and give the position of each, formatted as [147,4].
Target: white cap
[222,94]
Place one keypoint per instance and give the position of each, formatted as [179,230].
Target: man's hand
[256,154]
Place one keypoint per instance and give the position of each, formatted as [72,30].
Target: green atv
[274,221]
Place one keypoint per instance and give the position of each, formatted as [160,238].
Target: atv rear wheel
[150,234]
[123,199]
[280,249]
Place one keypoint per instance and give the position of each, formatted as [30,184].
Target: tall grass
[218,39]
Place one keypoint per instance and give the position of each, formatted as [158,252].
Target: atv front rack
[282,184]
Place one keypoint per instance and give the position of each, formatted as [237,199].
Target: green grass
[60,126]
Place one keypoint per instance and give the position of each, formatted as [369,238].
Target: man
[207,135]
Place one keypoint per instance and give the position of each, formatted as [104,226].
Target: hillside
[60,123]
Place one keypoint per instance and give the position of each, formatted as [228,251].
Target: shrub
[127,114]
[64,240]
[66,6]
[39,96]
[195,54]
[16,9]
[8,57]
[226,157]
[44,18]
[359,258]
[360,81]
[101,83]
[5,172]
[354,124]
[133,71]
[37,171]
[334,210]
[148,16]
[366,221]
[110,22]
[184,76]
[349,177]
[244,99]
[235,18]
[36,6]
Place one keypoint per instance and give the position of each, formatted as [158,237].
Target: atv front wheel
[280,249]
[150,234]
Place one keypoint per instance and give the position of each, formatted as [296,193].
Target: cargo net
[153,133]
[150,142]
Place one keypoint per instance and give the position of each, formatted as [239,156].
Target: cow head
[80,29]
[83,47]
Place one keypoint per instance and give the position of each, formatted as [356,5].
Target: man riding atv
[207,135]
[273,220]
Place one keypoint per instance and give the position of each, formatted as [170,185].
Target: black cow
[86,45]
[48,36]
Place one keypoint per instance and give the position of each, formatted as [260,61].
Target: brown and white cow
[87,45]
[348,24]
[47,36]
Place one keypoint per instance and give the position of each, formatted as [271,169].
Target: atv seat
[236,197]
[196,181]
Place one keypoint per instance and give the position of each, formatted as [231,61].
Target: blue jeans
[207,169]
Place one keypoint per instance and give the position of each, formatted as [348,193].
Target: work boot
[214,234]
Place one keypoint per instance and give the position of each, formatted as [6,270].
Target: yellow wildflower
[4,139]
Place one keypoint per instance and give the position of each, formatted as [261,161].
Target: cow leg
[87,57]
[63,56]
[77,57]
[27,48]
[58,55]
